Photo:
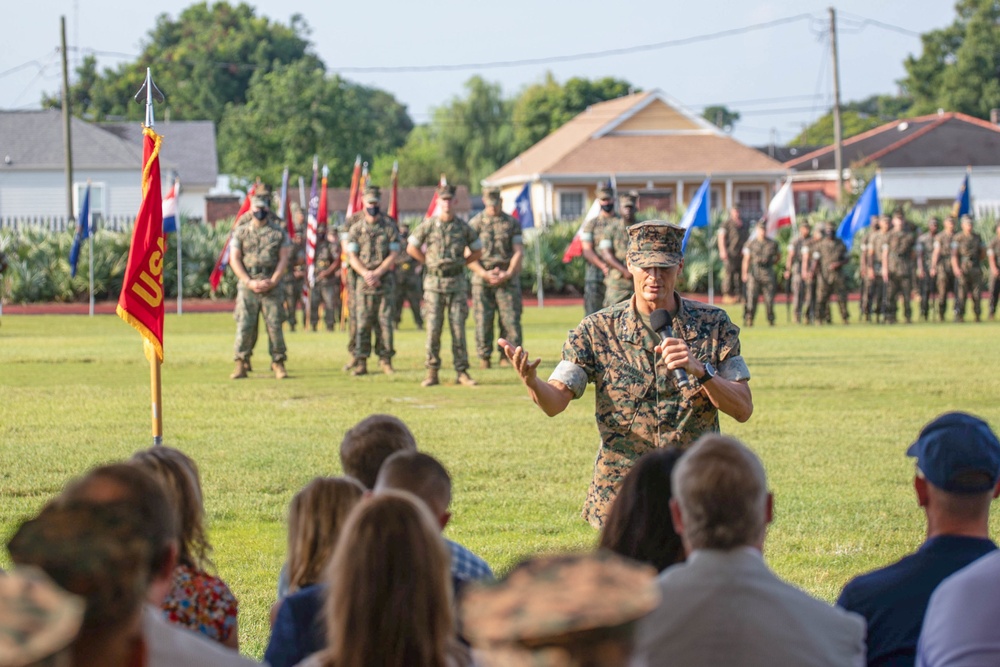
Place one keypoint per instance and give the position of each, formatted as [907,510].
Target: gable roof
[34,140]
[949,139]
[644,133]
[188,148]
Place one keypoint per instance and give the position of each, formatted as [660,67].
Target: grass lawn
[835,408]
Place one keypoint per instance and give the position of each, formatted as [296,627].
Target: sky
[778,77]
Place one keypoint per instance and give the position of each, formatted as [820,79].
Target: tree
[295,111]
[959,67]
[855,118]
[421,161]
[722,117]
[203,60]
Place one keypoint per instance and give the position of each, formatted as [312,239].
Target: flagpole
[155,383]
[180,260]
[90,247]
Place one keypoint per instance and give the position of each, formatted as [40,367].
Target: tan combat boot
[360,367]
[431,379]
[386,366]
[485,364]
[505,362]
[279,370]
[464,380]
[240,372]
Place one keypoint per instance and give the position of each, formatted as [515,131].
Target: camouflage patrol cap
[628,199]
[966,218]
[605,193]
[491,195]
[655,243]
[446,191]
[553,600]
[373,194]
[262,197]
[37,618]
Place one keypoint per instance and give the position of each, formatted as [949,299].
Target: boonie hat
[655,243]
[958,453]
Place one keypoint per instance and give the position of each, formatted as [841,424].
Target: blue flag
[82,232]
[522,208]
[961,205]
[696,214]
[860,216]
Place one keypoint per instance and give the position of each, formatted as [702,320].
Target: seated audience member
[38,620]
[167,645]
[425,477]
[370,442]
[958,466]
[389,598]
[723,605]
[197,600]
[315,520]
[98,554]
[960,627]
[639,525]
[566,611]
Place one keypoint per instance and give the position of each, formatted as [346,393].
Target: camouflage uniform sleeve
[578,365]
[472,238]
[419,234]
[394,244]
[731,363]
[353,243]
[516,237]
[286,240]
[587,231]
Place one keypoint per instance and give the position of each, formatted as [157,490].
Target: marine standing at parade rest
[496,277]
[993,253]
[446,289]
[258,256]
[640,403]
[924,250]
[760,256]
[810,275]
[613,247]
[941,271]
[967,254]
[828,261]
[296,276]
[591,233]
[733,235]
[898,256]
[797,249]
[409,283]
[876,276]
[372,247]
[326,280]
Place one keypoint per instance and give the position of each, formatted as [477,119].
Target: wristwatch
[709,373]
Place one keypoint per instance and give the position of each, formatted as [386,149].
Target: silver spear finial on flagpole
[147,94]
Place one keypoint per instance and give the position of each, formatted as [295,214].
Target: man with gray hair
[724,606]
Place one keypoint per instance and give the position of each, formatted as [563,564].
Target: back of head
[316,518]
[419,474]
[179,476]
[721,489]
[389,600]
[639,525]
[370,442]
[98,553]
[121,483]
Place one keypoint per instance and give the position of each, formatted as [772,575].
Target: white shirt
[170,645]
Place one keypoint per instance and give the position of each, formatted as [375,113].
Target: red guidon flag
[141,301]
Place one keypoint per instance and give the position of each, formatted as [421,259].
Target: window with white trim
[750,203]
[571,204]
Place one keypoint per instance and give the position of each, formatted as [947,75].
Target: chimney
[995,116]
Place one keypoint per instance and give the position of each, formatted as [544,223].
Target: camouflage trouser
[798,293]
[504,302]
[293,299]
[613,295]
[456,305]
[352,320]
[811,301]
[409,288]
[899,285]
[732,277]
[994,293]
[945,286]
[877,299]
[249,307]
[326,292]
[374,316]
[824,290]
[593,296]
[969,287]
[756,286]
[927,294]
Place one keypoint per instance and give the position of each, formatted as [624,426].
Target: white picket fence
[59,224]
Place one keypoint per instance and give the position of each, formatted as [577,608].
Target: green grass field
[835,408]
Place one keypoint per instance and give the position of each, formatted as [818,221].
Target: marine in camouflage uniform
[797,247]
[591,234]
[876,276]
[898,257]
[828,261]
[733,235]
[326,287]
[810,277]
[372,247]
[496,277]
[967,254]
[941,270]
[259,256]
[993,253]
[295,280]
[924,250]
[760,256]
[409,284]
[613,247]
[639,405]
[440,243]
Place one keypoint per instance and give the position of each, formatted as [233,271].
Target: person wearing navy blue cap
[957,474]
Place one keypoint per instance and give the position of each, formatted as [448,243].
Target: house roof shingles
[34,140]
[188,148]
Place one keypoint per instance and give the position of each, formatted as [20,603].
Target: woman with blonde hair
[197,599]
[389,590]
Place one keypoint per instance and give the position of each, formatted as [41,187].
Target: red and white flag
[355,183]
[432,209]
[575,248]
[781,210]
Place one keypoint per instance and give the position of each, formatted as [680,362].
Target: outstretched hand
[518,357]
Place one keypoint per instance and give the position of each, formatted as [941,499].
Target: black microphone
[659,320]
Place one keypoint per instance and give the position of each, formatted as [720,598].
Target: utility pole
[838,138]
[67,140]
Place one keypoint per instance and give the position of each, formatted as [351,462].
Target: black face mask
[260,214]
[607,208]
[372,211]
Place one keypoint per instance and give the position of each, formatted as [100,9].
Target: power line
[865,21]
[36,63]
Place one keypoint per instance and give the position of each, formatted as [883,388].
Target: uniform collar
[631,329]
